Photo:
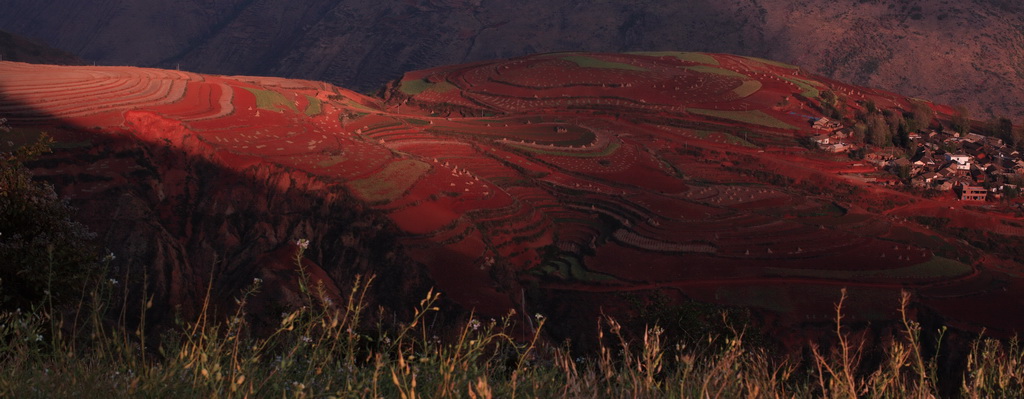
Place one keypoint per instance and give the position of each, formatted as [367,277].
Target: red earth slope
[538,183]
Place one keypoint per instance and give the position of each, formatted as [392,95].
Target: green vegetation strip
[691,57]
[314,107]
[390,182]
[607,150]
[567,266]
[736,140]
[355,104]
[417,86]
[414,87]
[937,267]
[591,62]
[748,87]
[808,87]
[775,63]
[754,117]
[716,71]
[729,138]
[272,100]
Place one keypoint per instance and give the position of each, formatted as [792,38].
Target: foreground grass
[325,350]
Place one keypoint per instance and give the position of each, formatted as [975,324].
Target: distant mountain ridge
[969,53]
[17,48]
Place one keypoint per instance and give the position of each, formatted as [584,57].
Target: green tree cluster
[1003,128]
[961,120]
[831,105]
[44,253]
[920,116]
[887,127]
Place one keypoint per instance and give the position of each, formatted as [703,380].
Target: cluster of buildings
[835,138]
[973,166]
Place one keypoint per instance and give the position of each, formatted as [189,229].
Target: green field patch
[417,122]
[691,57]
[808,87]
[390,182]
[754,117]
[918,239]
[414,87]
[716,71]
[937,267]
[358,105]
[567,266]
[591,62]
[607,150]
[542,134]
[382,125]
[775,63]
[736,140]
[828,210]
[511,181]
[417,86]
[727,137]
[749,86]
[271,100]
[313,107]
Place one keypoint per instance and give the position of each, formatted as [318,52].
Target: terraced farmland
[507,183]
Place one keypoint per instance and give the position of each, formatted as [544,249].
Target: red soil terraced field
[515,184]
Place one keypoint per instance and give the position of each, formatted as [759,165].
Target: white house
[963,161]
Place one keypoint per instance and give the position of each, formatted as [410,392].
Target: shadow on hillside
[181,225]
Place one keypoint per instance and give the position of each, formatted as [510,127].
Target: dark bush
[44,253]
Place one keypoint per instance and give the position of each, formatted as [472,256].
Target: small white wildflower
[306,339]
[387,341]
[474,324]
[257,280]
[302,243]
[39,337]
[539,316]
[113,281]
[109,258]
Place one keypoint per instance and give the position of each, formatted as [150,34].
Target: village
[971,166]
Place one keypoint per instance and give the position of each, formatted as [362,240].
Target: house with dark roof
[973,193]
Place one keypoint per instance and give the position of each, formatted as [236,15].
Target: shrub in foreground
[325,350]
[44,253]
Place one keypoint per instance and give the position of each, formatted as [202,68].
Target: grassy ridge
[326,350]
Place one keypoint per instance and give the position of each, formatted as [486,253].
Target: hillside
[20,49]
[916,48]
[566,184]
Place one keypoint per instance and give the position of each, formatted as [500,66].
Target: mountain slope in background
[572,184]
[17,48]
[966,53]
